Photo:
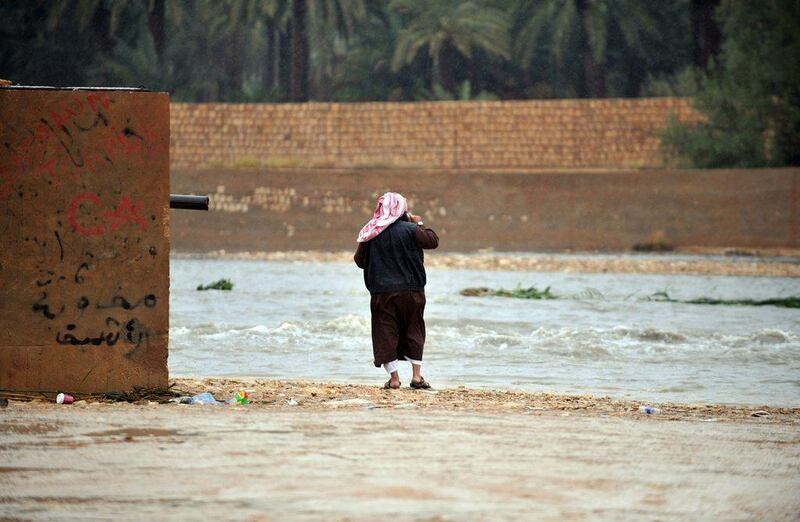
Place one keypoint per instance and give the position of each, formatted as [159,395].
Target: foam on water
[620,342]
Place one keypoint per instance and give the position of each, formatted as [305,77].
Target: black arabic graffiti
[78,277]
[134,333]
[109,338]
[42,306]
[118,301]
[60,245]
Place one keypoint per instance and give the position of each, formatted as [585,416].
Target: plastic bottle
[241,397]
[203,398]
[649,410]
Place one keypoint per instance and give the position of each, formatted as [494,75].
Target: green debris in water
[222,284]
[519,292]
[534,293]
[785,302]
[653,246]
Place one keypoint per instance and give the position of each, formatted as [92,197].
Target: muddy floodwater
[306,320]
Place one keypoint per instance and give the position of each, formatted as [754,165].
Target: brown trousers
[398,326]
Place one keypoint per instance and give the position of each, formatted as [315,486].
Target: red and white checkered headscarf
[391,206]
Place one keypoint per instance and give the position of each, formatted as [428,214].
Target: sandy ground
[306,451]
[776,263]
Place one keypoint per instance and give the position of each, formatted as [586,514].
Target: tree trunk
[235,72]
[636,73]
[268,72]
[705,33]
[436,70]
[101,28]
[445,70]
[299,90]
[593,84]
[284,61]
[155,22]
[201,56]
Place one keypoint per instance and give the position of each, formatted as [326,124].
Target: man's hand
[413,218]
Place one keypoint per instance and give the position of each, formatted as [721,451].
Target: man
[390,253]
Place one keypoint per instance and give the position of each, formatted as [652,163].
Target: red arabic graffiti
[88,204]
[70,109]
[31,155]
[53,149]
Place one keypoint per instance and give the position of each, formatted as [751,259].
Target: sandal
[388,385]
[421,385]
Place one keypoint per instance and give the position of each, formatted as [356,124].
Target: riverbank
[314,396]
[312,451]
[272,395]
[774,263]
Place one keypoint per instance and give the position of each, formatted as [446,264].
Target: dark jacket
[393,260]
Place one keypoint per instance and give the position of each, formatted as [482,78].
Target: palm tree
[273,13]
[449,26]
[587,25]
[100,17]
[321,21]
[207,25]
[300,70]
[239,15]
[332,26]
[156,21]
[705,33]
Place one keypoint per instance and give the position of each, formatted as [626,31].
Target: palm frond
[532,31]
[638,23]
[598,20]
[409,42]
[564,27]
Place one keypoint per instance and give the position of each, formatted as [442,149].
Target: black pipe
[188,202]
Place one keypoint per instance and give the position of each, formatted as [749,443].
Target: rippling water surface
[286,320]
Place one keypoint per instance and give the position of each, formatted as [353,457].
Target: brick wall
[558,134]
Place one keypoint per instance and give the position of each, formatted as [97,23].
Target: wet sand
[779,263]
[312,451]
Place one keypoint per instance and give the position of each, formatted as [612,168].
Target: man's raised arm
[426,238]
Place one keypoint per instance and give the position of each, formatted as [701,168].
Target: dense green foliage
[348,50]
[751,98]
[533,293]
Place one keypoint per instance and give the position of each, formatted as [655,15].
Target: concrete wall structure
[284,209]
[84,239]
[550,134]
